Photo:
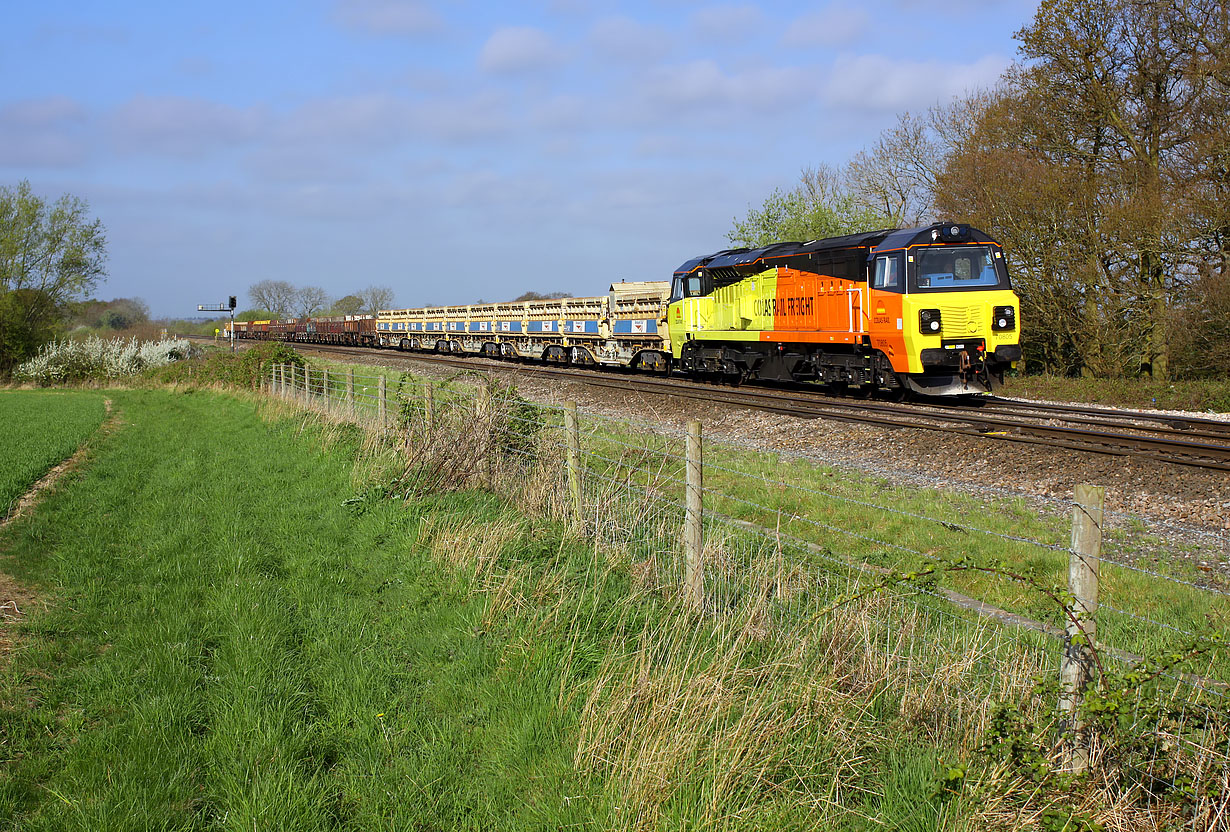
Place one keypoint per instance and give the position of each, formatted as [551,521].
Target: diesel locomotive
[924,310]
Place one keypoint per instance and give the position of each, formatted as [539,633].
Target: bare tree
[310,300]
[896,176]
[278,296]
[375,298]
[541,296]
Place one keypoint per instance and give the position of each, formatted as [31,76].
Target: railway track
[1176,439]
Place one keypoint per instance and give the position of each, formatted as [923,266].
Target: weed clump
[462,436]
[244,369]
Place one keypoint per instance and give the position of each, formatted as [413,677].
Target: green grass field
[242,633]
[229,647]
[41,429]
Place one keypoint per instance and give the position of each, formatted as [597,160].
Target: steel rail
[1204,449]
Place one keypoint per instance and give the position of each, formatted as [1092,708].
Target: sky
[454,151]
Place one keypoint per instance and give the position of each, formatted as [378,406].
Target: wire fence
[960,600]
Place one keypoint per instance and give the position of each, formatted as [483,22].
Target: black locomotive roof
[883,240]
[746,256]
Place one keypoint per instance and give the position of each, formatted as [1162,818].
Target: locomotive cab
[942,300]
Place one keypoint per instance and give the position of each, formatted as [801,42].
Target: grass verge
[232,648]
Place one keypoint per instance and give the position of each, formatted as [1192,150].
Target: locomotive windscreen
[958,267]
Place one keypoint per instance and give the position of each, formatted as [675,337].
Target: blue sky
[453,151]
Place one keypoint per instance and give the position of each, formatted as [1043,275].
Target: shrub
[242,369]
[99,359]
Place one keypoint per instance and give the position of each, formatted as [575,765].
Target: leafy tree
[278,296]
[1101,162]
[348,305]
[51,254]
[255,315]
[1201,327]
[120,313]
[819,206]
[124,313]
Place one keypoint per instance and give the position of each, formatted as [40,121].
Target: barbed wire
[914,515]
[1102,605]
[856,571]
[1209,589]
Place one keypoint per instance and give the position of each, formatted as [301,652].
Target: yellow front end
[964,317]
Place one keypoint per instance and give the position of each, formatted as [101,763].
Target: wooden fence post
[382,405]
[324,385]
[350,391]
[693,534]
[572,436]
[1077,666]
[429,404]
[487,402]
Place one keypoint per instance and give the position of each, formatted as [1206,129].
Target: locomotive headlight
[929,321]
[1004,318]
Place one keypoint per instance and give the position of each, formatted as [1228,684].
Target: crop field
[41,429]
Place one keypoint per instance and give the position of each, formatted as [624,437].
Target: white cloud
[518,49]
[375,119]
[282,163]
[835,25]
[389,17]
[382,120]
[478,118]
[727,21]
[52,111]
[562,113]
[43,132]
[874,82]
[624,39]
[702,85]
[182,127]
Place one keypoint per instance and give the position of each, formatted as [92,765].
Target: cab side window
[694,288]
[887,274]
[677,289]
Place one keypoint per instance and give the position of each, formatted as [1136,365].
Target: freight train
[924,310]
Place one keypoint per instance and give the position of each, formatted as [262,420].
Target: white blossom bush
[95,358]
